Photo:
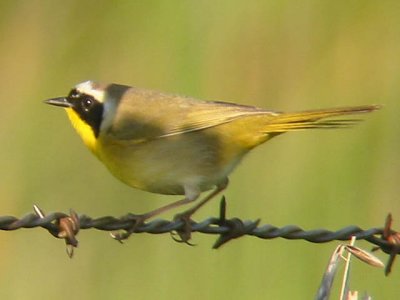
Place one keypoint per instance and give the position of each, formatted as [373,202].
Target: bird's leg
[185,234]
[191,195]
[140,219]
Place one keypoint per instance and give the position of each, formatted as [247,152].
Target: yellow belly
[200,159]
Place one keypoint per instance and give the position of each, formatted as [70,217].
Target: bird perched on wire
[174,145]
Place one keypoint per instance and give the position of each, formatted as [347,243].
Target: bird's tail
[316,119]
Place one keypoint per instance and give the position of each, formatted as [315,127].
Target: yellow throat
[83,129]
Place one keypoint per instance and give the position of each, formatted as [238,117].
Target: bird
[176,145]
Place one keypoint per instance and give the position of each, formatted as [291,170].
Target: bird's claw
[184,233]
[135,221]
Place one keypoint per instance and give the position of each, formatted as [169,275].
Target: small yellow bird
[169,144]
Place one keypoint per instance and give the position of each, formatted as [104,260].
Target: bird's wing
[144,115]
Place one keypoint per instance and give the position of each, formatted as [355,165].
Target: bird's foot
[184,233]
[134,223]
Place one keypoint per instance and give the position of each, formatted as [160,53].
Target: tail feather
[316,119]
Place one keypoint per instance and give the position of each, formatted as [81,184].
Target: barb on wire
[66,226]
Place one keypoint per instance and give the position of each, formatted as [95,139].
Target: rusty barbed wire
[66,226]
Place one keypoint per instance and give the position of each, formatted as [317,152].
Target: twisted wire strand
[67,226]
[234,227]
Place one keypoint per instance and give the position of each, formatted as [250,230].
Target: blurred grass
[282,55]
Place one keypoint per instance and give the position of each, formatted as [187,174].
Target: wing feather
[145,114]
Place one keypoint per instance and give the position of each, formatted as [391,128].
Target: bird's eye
[86,104]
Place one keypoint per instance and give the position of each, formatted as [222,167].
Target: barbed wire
[67,226]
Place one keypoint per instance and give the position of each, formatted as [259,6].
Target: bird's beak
[60,101]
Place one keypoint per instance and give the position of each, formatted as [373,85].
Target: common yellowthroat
[169,144]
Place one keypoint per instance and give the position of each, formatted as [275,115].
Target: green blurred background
[283,55]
